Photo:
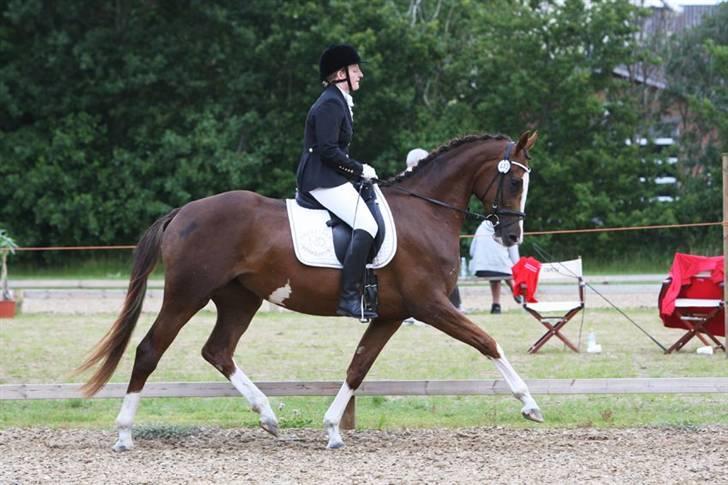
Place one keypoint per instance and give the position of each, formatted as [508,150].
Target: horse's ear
[522,141]
[526,140]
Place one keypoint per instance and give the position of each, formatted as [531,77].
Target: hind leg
[371,344]
[235,309]
[170,320]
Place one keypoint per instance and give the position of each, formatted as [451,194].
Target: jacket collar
[346,98]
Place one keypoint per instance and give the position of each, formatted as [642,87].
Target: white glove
[368,172]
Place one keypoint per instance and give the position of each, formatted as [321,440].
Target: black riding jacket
[325,159]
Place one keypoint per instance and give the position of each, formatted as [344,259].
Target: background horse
[235,249]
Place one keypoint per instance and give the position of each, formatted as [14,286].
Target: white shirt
[488,255]
[349,101]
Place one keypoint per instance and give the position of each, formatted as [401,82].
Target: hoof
[532,414]
[335,441]
[335,444]
[121,446]
[270,426]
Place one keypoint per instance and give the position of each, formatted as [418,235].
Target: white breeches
[344,201]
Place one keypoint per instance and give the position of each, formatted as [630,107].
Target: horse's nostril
[513,238]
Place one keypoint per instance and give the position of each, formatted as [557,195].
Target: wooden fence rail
[677,385]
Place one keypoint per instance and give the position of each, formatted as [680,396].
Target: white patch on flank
[281,294]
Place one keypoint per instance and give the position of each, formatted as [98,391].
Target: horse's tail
[111,347]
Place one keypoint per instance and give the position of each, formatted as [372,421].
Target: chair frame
[686,309]
[554,324]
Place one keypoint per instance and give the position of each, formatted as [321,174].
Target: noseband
[504,166]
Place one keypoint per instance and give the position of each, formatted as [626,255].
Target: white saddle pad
[313,240]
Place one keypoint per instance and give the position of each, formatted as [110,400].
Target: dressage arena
[165,453]
[467,455]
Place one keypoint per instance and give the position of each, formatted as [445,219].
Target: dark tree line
[112,113]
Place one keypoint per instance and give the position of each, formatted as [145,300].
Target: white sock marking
[258,401]
[250,391]
[514,381]
[336,410]
[125,420]
[129,407]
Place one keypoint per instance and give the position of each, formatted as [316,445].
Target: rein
[443,204]
[504,166]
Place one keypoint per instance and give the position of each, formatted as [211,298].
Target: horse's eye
[516,183]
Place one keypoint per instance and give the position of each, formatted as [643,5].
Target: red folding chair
[691,298]
[553,315]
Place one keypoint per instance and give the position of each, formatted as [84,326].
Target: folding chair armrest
[582,284]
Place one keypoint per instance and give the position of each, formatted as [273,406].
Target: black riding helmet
[335,57]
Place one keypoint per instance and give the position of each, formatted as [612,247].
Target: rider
[326,172]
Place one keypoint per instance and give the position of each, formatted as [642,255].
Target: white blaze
[523,203]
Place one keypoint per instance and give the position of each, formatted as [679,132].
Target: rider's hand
[368,172]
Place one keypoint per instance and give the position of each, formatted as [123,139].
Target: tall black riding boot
[350,303]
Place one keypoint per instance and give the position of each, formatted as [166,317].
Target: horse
[235,248]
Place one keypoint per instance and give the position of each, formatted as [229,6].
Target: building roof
[672,17]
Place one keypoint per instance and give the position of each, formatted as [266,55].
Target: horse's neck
[448,178]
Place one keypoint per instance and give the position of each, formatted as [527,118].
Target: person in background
[489,259]
[414,156]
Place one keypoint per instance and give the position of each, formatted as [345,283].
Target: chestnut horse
[235,249]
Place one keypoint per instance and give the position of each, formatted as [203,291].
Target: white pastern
[281,294]
[333,415]
[258,401]
[530,409]
[125,420]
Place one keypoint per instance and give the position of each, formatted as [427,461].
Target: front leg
[443,316]
[374,339]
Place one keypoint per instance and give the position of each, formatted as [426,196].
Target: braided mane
[454,143]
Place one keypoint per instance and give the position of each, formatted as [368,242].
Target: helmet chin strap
[347,79]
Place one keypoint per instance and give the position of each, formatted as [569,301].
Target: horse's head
[502,186]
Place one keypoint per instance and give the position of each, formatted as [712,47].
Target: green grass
[287,346]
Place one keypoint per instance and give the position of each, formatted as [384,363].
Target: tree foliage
[697,73]
[112,113]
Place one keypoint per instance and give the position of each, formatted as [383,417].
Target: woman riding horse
[236,250]
[325,170]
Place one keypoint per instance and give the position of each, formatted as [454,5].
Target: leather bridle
[496,211]
[504,167]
